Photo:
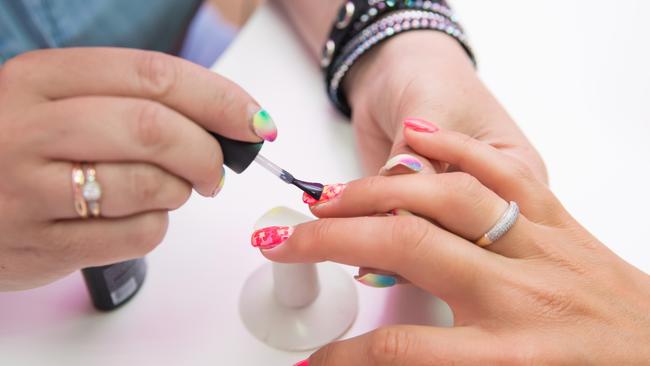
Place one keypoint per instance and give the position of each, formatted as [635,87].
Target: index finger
[429,257]
[205,97]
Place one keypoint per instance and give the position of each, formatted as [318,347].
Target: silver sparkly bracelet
[383,29]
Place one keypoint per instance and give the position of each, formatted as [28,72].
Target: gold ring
[78,180]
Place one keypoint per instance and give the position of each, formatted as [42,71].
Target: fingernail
[420,125]
[264,126]
[405,160]
[221,183]
[330,192]
[302,363]
[271,237]
[377,280]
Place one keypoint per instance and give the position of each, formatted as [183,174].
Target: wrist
[386,71]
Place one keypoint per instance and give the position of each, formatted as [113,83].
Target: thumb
[410,345]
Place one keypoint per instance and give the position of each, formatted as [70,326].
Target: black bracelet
[356,34]
[354,15]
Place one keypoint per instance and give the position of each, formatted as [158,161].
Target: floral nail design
[420,125]
[271,237]
[330,192]
[405,160]
[377,280]
[264,126]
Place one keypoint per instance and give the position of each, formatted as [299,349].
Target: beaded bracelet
[354,15]
[390,25]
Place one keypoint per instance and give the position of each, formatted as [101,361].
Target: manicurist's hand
[426,74]
[139,118]
[541,292]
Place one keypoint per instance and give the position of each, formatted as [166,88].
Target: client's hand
[427,74]
[142,118]
[545,293]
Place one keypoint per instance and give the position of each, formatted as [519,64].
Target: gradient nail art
[302,363]
[221,183]
[377,280]
[420,125]
[330,192]
[271,237]
[405,160]
[264,126]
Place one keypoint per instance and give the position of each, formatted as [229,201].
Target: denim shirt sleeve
[146,24]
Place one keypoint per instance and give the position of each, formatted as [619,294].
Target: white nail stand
[297,307]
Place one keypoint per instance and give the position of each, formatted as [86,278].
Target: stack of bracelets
[363,24]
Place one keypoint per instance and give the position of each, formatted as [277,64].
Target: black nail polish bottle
[115,284]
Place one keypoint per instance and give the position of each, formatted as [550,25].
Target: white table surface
[574,76]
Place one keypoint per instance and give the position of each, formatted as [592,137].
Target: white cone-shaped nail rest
[297,307]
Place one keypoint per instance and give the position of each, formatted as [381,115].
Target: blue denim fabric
[147,24]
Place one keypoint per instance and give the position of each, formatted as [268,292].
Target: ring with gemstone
[502,226]
[78,180]
[91,190]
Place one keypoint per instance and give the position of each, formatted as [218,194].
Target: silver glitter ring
[502,226]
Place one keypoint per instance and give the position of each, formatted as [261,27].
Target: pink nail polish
[330,192]
[270,237]
[302,363]
[420,125]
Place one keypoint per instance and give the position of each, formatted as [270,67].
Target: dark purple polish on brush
[313,189]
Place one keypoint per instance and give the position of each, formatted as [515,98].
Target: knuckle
[409,233]
[321,230]
[145,185]
[464,186]
[151,233]
[224,98]
[462,182]
[156,73]
[181,193]
[518,170]
[149,125]
[389,346]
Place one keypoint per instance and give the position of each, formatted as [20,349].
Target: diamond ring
[502,226]
[91,190]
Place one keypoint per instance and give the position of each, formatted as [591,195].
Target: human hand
[142,117]
[426,74]
[547,292]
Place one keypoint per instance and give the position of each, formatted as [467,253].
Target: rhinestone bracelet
[393,19]
[354,15]
[383,29]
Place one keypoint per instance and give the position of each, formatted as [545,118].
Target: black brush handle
[238,155]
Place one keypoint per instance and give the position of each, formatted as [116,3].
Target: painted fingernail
[221,183]
[264,126]
[271,237]
[420,125]
[330,192]
[302,363]
[405,160]
[377,280]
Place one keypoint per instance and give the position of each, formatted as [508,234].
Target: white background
[573,74]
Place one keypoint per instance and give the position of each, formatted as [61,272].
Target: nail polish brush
[238,156]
